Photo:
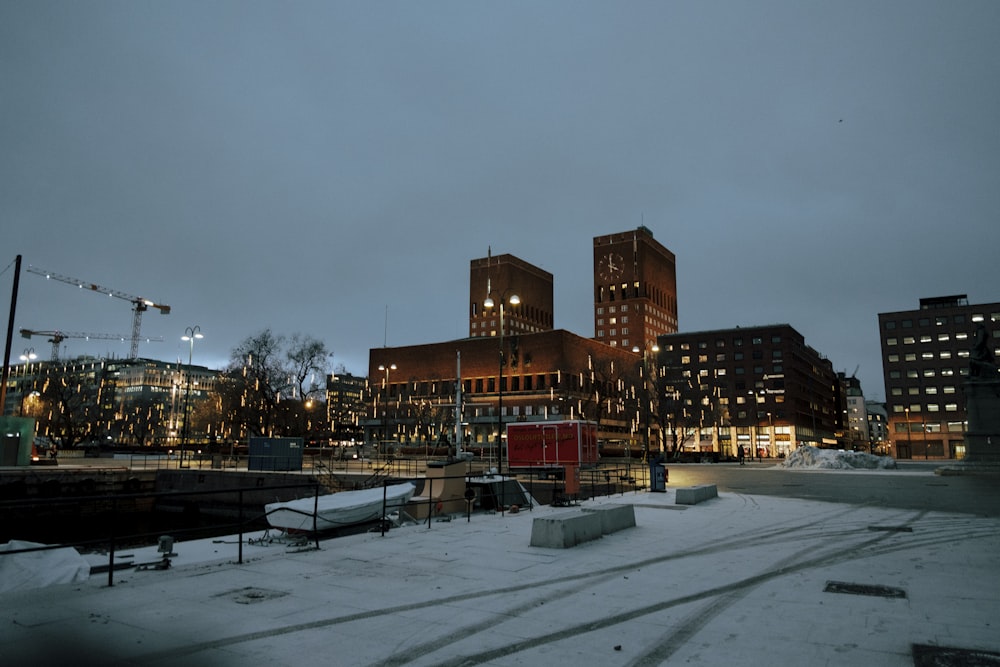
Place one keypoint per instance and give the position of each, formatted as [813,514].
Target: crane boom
[139,304]
[57,337]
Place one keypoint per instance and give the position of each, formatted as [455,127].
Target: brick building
[515,366]
[635,289]
[547,375]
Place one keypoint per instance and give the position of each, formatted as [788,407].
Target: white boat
[336,510]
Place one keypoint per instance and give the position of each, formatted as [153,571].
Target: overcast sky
[312,166]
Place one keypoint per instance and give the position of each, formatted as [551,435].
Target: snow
[37,569]
[739,579]
[836,459]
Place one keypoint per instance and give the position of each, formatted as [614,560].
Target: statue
[982,363]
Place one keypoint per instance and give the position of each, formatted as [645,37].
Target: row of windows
[737,356]
[941,320]
[721,343]
[926,338]
[915,391]
[926,356]
[927,373]
[931,407]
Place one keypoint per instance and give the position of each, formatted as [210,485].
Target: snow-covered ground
[835,459]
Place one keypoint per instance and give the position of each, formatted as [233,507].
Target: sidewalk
[737,580]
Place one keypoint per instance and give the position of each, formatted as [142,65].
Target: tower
[501,277]
[635,289]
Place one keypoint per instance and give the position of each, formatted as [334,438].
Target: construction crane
[57,337]
[139,304]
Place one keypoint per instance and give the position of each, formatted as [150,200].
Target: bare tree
[268,383]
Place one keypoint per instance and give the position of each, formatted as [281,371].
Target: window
[943,338]
[929,372]
[909,340]
[925,339]
[891,341]
[907,324]
[893,358]
[909,357]
[945,354]
[890,325]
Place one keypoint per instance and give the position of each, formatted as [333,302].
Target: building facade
[759,387]
[635,289]
[125,401]
[925,363]
[550,375]
[499,278]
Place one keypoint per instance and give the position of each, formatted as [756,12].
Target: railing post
[240,501]
[111,547]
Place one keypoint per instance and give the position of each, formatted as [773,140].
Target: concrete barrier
[614,517]
[692,495]
[568,529]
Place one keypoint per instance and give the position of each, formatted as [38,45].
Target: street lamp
[385,401]
[29,355]
[644,371]
[190,334]
[513,300]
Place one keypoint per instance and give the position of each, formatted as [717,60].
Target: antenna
[385,332]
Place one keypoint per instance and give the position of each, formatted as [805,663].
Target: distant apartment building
[878,426]
[760,387]
[925,363]
[345,407]
[856,434]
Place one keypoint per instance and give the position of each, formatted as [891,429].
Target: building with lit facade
[925,363]
[516,367]
[760,387]
[126,401]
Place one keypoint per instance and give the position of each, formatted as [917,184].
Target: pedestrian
[742,454]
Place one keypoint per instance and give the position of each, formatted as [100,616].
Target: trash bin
[657,477]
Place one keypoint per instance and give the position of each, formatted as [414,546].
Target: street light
[385,402]
[644,371]
[190,334]
[29,355]
[513,300]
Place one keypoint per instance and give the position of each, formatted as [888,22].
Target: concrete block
[692,495]
[614,517]
[568,529]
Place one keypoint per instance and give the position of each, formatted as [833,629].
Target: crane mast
[139,304]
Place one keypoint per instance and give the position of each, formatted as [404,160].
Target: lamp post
[190,334]
[385,401]
[513,300]
[644,371]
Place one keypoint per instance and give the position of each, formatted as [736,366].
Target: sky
[331,168]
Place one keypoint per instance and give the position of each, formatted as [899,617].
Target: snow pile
[37,569]
[835,459]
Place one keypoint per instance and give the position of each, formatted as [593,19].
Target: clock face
[611,266]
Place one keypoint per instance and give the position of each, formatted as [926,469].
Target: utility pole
[10,335]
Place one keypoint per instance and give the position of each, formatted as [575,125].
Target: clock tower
[635,289]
